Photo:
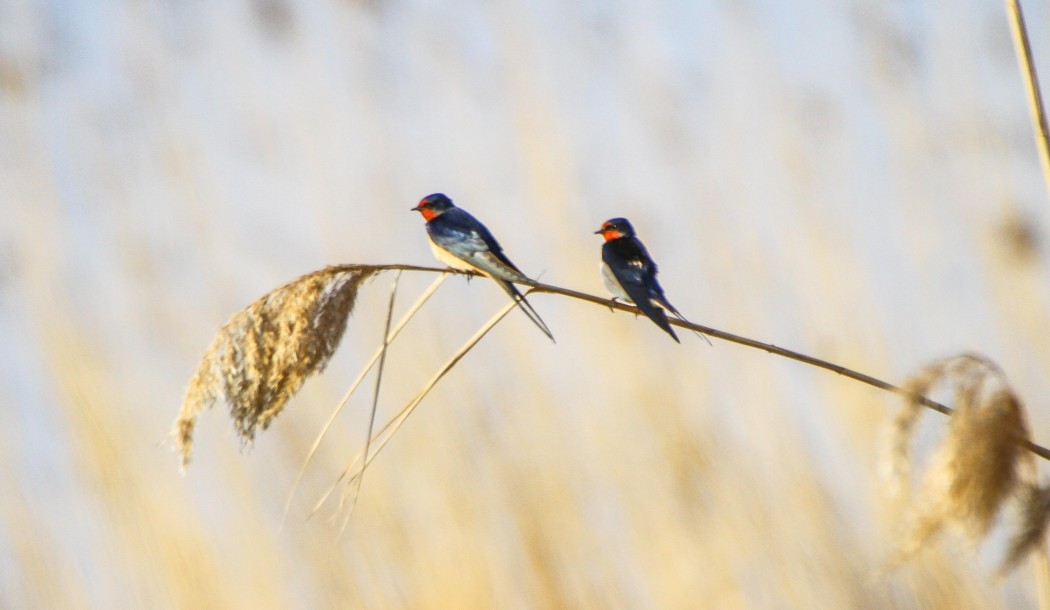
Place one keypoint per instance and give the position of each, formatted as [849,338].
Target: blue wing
[463,236]
[636,272]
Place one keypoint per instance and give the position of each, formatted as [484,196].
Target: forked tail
[519,298]
[671,308]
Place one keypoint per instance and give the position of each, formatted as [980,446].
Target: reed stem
[538,287]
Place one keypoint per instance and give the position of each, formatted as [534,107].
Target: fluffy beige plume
[977,468]
[263,354]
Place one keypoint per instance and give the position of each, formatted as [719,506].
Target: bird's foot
[469,274]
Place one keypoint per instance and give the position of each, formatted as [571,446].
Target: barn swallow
[629,273]
[460,241]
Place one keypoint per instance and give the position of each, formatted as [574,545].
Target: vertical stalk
[1035,99]
[1041,567]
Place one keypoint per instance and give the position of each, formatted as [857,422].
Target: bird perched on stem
[629,273]
[460,241]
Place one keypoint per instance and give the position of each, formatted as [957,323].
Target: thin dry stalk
[394,424]
[205,387]
[375,395]
[1042,576]
[1031,80]
[1042,568]
[412,311]
[263,354]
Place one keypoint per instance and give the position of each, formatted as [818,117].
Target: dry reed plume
[980,465]
[263,354]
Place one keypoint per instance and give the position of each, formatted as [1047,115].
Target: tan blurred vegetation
[852,180]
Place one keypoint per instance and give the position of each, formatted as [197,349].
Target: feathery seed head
[977,468]
[263,354]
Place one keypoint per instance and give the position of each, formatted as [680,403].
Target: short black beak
[599,232]
[415,209]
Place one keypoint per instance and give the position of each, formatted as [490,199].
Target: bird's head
[434,205]
[615,228]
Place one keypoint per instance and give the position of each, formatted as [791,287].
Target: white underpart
[452,261]
[614,287]
[612,284]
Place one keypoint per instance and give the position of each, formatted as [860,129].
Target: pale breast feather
[612,284]
[450,259]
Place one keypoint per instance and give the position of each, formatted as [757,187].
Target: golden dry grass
[828,180]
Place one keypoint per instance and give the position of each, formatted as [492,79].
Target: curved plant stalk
[537,287]
[412,311]
[375,398]
[306,318]
[391,427]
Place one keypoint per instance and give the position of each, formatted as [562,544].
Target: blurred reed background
[855,180]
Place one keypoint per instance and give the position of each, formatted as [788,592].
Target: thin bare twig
[387,432]
[375,400]
[538,287]
[412,311]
